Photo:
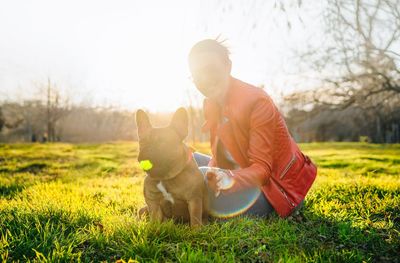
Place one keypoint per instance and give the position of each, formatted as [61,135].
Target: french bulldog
[174,187]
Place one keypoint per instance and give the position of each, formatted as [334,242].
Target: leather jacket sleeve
[261,138]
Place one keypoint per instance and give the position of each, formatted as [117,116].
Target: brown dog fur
[174,167]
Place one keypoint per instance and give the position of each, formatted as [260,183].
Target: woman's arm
[261,139]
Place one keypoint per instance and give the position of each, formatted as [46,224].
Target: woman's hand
[219,179]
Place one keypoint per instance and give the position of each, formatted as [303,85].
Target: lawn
[67,202]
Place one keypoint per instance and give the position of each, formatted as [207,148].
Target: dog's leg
[166,208]
[152,197]
[144,211]
[195,212]
[205,206]
[205,219]
[155,212]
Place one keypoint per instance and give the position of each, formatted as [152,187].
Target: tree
[2,120]
[359,62]
[55,109]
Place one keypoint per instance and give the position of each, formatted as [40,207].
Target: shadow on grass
[52,234]
[9,191]
[34,168]
[62,235]
[331,240]
[305,237]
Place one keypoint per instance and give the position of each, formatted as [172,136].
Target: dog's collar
[189,154]
[189,158]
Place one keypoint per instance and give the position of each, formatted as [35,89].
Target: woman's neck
[222,97]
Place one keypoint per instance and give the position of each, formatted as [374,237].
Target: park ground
[79,202]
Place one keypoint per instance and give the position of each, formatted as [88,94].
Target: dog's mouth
[154,167]
[161,169]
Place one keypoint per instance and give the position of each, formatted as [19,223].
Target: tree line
[357,96]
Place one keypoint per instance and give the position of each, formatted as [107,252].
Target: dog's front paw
[143,212]
[196,212]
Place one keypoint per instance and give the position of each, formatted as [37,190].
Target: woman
[262,170]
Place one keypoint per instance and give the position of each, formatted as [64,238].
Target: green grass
[64,202]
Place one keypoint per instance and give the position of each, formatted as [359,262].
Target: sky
[133,54]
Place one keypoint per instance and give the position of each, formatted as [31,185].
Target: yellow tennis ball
[146,165]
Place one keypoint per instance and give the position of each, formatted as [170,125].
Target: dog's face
[162,147]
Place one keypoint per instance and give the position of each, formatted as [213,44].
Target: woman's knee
[201,159]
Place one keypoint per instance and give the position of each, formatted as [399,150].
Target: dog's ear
[180,123]
[143,123]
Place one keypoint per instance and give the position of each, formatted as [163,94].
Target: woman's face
[210,74]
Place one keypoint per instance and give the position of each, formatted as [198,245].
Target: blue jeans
[247,202]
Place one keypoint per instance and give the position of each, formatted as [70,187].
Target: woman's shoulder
[243,93]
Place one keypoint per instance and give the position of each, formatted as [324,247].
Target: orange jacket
[256,136]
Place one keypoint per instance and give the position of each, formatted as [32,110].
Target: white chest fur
[167,196]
